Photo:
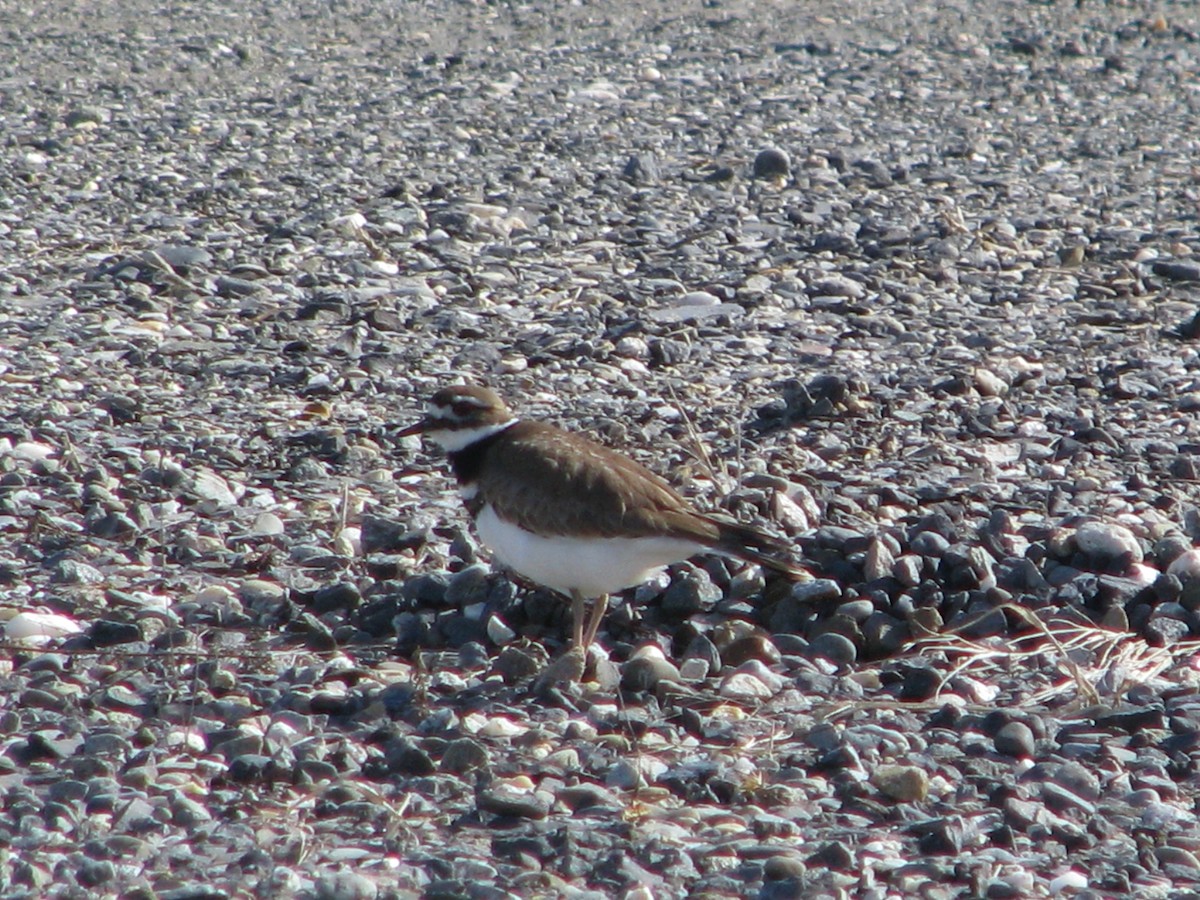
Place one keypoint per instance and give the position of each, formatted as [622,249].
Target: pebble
[752,647]
[751,680]
[834,647]
[516,663]
[772,163]
[510,801]
[345,886]
[1107,542]
[267,523]
[1186,566]
[904,784]
[701,650]
[211,486]
[463,755]
[109,633]
[642,169]
[36,627]
[1068,882]
[646,669]
[1015,739]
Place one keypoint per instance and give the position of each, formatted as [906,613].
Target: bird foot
[566,669]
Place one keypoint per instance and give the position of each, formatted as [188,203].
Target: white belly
[592,566]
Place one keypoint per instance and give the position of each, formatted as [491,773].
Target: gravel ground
[912,284]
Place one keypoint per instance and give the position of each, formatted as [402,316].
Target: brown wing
[548,480]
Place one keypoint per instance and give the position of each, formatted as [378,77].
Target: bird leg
[570,667]
[599,608]
[578,608]
[585,624]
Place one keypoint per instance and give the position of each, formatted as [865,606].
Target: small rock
[751,680]
[1177,271]
[498,631]
[703,650]
[772,163]
[463,755]
[518,663]
[32,626]
[507,800]
[907,569]
[345,886]
[1015,739]
[698,298]
[212,487]
[782,868]
[836,648]
[1107,542]
[1186,566]
[646,668]
[1070,882]
[989,384]
[642,169]
[690,594]
[109,633]
[267,523]
[94,872]
[70,571]
[904,784]
[754,646]
[820,590]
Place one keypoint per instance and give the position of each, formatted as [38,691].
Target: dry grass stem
[1102,664]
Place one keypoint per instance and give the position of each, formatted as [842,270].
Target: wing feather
[548,480]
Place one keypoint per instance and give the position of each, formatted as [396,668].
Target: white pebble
[268,523]
[698,298]
[447,682]
[989,384]
[1144,574]
[693,669]
[30,451]
[513,364]
[348,541]
[1106,541]
[1186,566]
[632,347]
[500,727]
[907,569]
[350,224]
[1069,881]
[385,267]
[751,680]
[211,486]
[40,626]
[790,514]
[499,633]
[186,738]
[213,595]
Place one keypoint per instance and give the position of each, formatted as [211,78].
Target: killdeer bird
[568,513]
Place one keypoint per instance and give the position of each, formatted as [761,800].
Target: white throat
[456,439]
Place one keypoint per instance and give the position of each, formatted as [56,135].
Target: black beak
[414,428]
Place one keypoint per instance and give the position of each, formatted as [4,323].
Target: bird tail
[753,545]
